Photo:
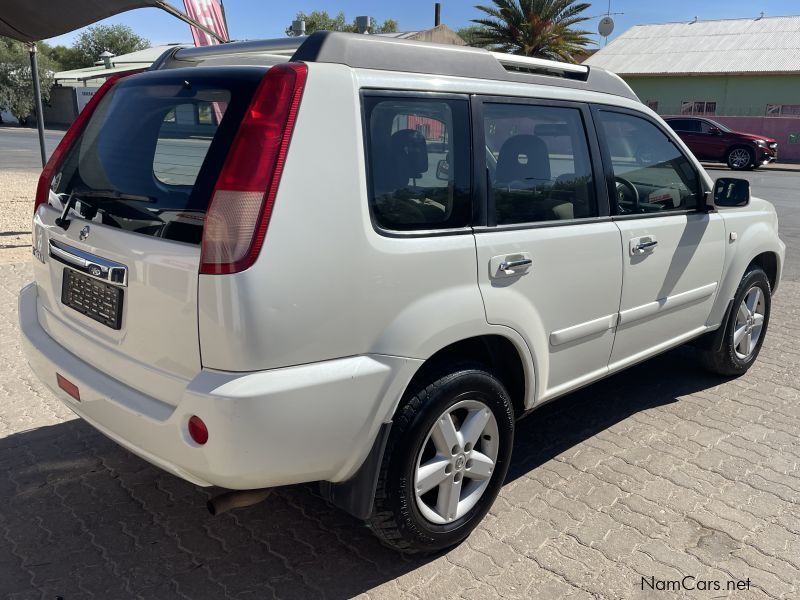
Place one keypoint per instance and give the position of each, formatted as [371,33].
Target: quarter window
[650,173]
[419,163]
[538,163]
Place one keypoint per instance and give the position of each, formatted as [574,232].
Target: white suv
[360,260]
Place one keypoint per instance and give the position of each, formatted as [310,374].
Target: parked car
[381,256]
[712,141]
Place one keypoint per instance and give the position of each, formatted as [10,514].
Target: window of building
[419,163]
[705,108]
[538,163]
[783,110]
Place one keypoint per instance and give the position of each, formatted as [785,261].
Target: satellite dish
[606,26]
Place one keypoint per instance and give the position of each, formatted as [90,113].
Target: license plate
[95,299]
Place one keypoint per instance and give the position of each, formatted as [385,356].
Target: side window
[650,173]
[684,125]
[418,155]
[538,163]
[706,127]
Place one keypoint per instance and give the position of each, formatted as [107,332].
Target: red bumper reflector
[198,430]
[69,387]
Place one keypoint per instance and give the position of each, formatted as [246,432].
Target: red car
[709,140]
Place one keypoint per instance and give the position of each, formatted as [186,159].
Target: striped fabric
[208,13]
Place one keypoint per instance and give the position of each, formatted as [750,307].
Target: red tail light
[238,215]
[52,166]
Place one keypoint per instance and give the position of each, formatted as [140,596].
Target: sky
[259,19]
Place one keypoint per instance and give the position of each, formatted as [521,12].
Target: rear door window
[150,155]
[684,125]
[538,165]
[418,154]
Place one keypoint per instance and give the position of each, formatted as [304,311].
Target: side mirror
[715,131]
[443,170]
[731,192]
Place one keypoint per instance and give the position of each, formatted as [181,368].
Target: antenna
[606,25]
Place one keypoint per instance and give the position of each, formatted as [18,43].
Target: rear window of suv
[149,157]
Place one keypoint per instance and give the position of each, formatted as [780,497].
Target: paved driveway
[661,472]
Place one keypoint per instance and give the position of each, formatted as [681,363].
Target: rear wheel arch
[497,353]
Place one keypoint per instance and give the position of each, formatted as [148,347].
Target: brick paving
[663,471]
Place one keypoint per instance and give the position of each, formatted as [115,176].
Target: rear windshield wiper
[94,198]
[111,195]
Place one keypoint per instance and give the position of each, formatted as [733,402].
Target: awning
[35,20]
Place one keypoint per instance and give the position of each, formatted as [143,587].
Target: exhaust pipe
[236,499]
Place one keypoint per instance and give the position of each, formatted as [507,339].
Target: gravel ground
[17,190]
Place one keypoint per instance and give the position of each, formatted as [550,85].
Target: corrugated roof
[760,45]
[141,59]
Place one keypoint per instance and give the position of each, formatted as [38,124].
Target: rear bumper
[266,428]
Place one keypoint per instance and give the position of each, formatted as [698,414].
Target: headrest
[523,157]
[410,151]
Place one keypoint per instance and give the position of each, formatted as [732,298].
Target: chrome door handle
[642,245]
[515,264]
[646,245]
[509,265]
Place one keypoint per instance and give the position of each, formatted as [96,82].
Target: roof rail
[395,54]
[552,68]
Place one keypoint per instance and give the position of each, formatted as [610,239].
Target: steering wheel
[626,192]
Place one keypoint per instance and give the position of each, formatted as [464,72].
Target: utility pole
[37,98]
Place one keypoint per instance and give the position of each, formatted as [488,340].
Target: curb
[783,168]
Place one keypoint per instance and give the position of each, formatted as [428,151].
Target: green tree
[542,28]
[469,34]
[66,58]
[16,83]
[117,39]
[320,20]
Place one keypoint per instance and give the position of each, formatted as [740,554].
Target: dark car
[709,140]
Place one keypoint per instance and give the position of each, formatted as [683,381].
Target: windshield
[150,155]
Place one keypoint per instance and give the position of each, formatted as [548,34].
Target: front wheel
[445,460]
[741,158]
[738,344]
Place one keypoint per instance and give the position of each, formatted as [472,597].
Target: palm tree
[541,28]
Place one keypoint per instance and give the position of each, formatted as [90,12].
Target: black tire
[396,519]
[735,163]
[719,355]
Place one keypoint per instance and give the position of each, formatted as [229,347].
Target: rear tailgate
[117,277]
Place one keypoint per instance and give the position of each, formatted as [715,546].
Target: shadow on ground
[82,517]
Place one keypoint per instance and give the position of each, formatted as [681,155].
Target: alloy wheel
[739,158]
[456,461]
[749,323]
